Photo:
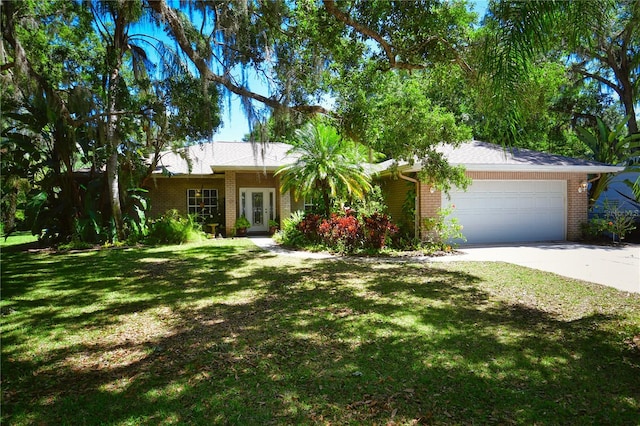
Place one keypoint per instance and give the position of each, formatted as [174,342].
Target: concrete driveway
[617,267]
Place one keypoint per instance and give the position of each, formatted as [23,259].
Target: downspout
[416,219]
[598,176]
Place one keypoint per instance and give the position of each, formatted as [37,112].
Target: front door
[258,205]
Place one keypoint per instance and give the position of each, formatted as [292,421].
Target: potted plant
[273,226]
[242,223]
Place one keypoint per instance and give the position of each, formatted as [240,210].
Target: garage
[504,211]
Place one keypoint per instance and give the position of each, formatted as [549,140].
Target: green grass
[17,239]
[222,333]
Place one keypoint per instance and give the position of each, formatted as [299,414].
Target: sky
[235,125]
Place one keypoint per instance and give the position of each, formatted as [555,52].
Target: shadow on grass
[230,335]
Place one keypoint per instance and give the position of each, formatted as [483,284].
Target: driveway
[617,267]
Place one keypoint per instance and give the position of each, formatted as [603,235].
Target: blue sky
[235,124]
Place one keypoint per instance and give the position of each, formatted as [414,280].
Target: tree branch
[602,80]
[331,7]
[170,16]
[78,123]
[22,63]
[390,50]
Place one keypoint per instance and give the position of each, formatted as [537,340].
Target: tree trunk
[9,215]
[629,109]
[114,189]
[113,183]
[326,199]
[112,162]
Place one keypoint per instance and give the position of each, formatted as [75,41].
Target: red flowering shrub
[341,232]
[309,227]
[377,229]
[346,233]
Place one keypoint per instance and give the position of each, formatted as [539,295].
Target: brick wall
[255,180]
[395,192]
[285,205]
[430,203]
[231,204]
[166,193]
[577,207]
[577,203]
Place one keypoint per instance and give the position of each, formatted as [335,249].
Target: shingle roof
[483,156]
[474,155]
[207,158]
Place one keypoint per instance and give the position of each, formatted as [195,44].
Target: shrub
[378,230]
[594,228]
[440,230]
[619,222]
[135,217]
[290,233]
[171,228]
[614,221]
[341,233]
[309,226]
[372,202]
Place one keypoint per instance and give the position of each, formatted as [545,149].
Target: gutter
[590,169]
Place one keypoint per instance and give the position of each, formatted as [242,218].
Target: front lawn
[20,238]
[222,333]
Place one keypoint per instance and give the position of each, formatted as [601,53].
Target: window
[309,204]
[203,204]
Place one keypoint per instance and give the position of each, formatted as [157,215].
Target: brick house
[517,195]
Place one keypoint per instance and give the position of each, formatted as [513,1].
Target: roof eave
[254,168]
[543,168]
[529,168]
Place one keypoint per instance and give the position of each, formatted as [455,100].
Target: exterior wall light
[583,187]
[432,189]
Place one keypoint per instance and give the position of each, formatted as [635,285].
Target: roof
[207,158]
[483,156]
[215,157]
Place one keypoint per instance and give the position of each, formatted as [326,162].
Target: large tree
[599,39]
[378,68]
[356,53]
[89,64]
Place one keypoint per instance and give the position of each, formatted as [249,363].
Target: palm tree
[326,163]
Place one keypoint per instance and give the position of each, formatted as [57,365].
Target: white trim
[217,169]
[269,211]
[213,208]
[526,168]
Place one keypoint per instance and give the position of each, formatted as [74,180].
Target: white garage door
[511,211]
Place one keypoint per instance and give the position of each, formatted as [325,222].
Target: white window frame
[308,204]
[202,203]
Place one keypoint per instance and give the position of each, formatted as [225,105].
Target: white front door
[258,205]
